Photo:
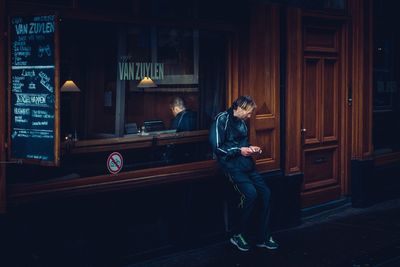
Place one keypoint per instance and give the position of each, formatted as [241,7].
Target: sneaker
[239,242]
[270,244]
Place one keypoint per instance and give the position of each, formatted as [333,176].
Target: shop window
[386,98]
[107,62]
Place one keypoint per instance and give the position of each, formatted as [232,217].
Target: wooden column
[3,88]
[361,78]
[293,92]
[263,84]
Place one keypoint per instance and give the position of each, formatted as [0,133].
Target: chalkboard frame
[56,129]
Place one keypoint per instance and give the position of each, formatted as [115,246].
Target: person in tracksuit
[228,137]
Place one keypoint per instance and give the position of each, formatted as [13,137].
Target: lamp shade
[146,82]
[69,86]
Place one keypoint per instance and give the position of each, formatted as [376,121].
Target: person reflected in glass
[184,119]
[229,140]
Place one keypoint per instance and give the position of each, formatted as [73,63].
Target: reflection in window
[178,50]
[186,63]
[193,67]
[108,61]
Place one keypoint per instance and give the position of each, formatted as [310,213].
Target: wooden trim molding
[345,126]
[293,92]
[263,84]
[232,91]
[361,78]
[132,141]
[386,159]
[74,12]
[61,188]
[3,86]
[20,193]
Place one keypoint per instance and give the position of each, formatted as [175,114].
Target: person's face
[175,110]
[243,114]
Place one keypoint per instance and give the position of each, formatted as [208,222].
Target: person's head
[177,105]
[243,107]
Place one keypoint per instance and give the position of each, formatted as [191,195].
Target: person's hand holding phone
[251,150]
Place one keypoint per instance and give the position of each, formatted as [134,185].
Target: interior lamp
[69,87]
[146,82]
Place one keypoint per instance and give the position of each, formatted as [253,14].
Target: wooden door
[322,113]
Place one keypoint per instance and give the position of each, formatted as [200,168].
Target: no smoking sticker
[115,162]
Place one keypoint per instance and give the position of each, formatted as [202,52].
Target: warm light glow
[146,82]
[69,86]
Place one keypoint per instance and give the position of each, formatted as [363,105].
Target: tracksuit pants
[251,187]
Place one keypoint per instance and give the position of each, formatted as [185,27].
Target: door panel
[320,38]
[330,100]
[311,97]
[321,168]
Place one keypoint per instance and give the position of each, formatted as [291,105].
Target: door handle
[320,160]
[303,130]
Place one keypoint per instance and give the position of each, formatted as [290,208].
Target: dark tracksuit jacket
[227,135]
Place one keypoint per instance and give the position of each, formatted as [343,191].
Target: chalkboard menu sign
[34,94]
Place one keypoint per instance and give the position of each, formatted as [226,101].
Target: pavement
[342,236]
[345,236]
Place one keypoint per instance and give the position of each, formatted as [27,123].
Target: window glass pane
[386,129]
[88,56]
[184,63]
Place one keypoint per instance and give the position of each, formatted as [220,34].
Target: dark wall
[371,184]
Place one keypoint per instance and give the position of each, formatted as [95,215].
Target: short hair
[178,102]
[245,102]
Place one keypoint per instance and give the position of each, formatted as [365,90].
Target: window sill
[58,188]
[132,141]
[387,158]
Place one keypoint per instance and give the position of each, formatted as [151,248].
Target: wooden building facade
[324,83]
